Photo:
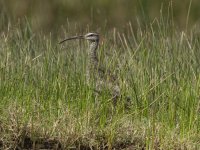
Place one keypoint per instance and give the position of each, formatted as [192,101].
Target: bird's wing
[106,75]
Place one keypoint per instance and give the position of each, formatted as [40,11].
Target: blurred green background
[48,15]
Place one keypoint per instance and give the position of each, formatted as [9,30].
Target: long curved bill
[72,38]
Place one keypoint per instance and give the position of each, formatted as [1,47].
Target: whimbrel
[101,76]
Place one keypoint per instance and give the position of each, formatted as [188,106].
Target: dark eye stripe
[91,34]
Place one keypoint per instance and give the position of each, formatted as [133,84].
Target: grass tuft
[45,102]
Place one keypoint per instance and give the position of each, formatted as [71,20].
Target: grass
[45,102]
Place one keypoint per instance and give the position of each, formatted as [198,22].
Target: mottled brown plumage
[101,76]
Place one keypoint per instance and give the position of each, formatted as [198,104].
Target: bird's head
[92,37]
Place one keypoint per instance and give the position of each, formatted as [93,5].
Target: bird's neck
[93,59]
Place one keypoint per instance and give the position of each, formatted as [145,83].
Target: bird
[95,72]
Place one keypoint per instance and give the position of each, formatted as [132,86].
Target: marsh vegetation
[44,95]
[45,102]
